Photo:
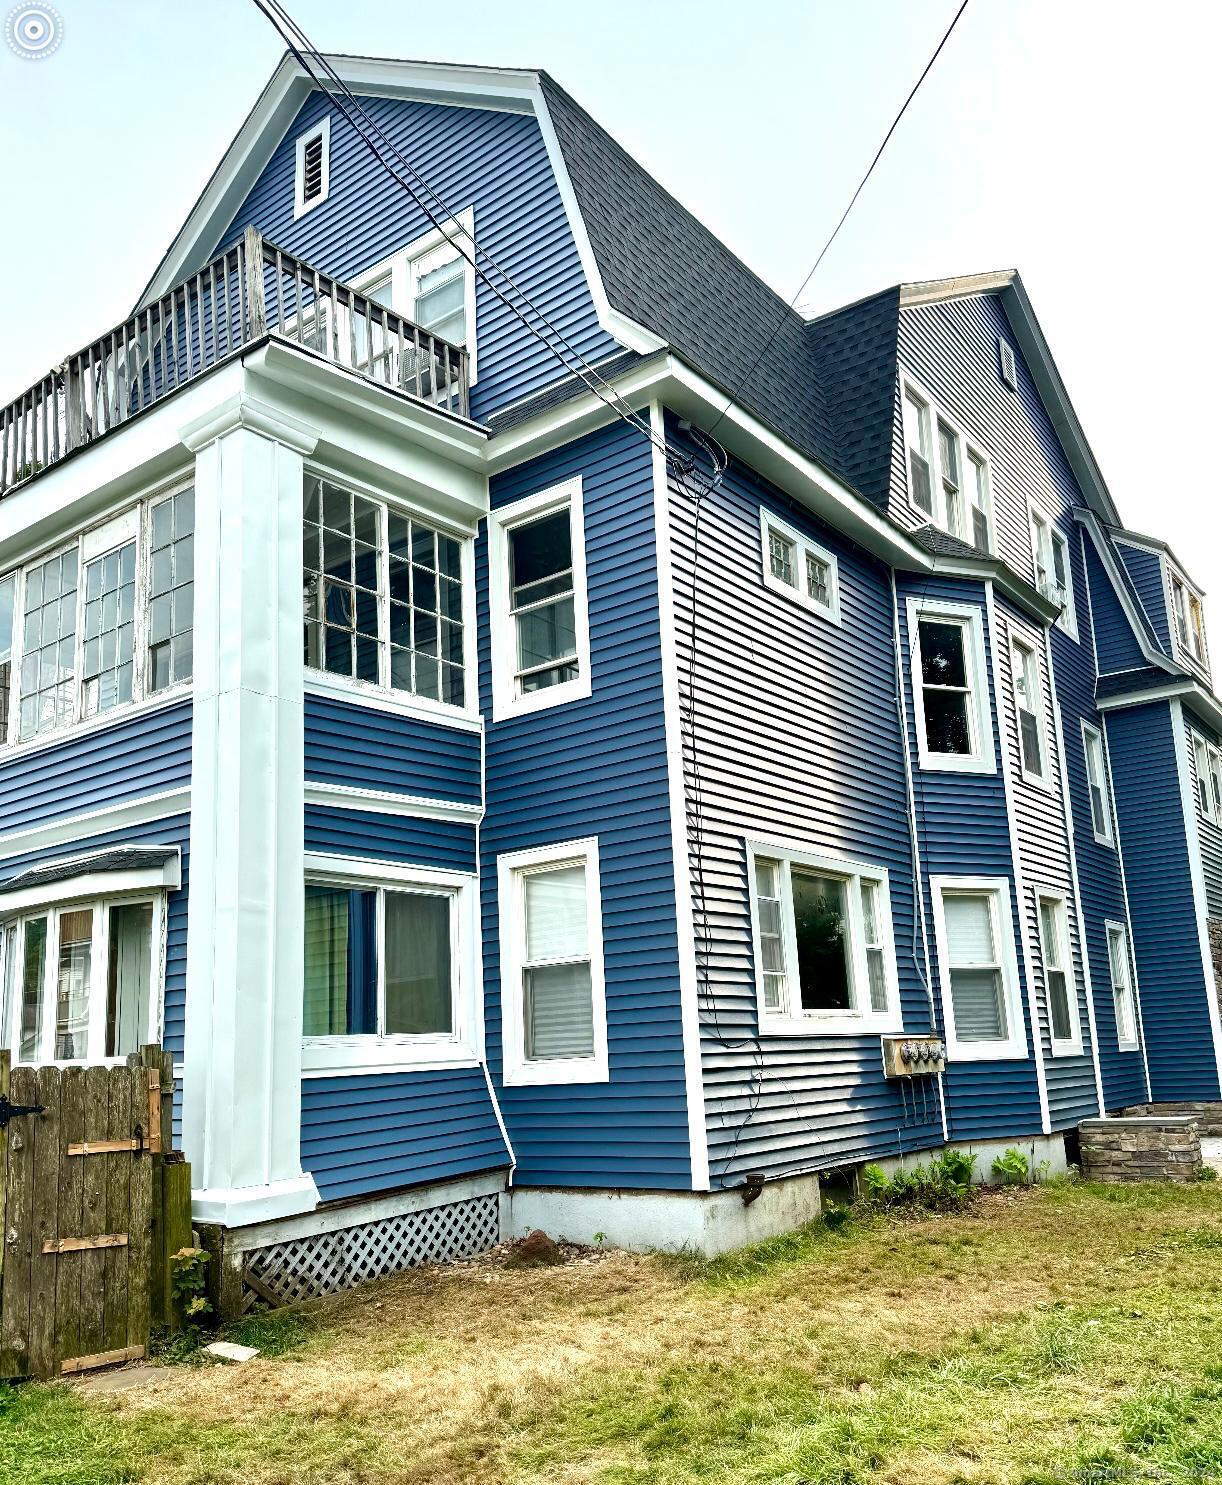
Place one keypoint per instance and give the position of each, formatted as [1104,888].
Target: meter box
[913,1056]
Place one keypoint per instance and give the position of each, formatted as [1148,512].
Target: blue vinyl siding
[174,830]
[445,844]
[987,1099]
[1209,833]
[359,747]
[597,767]
[1115,642]
[376,1132]
[1043,844]
[797,740]
[97,769]
[493,161]
[1179,1040]
[1145,570]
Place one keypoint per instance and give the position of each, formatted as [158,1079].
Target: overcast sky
[1076,140]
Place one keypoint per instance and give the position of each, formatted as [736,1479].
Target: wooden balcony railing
[253,290]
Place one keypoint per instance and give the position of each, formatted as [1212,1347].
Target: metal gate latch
[11,1110]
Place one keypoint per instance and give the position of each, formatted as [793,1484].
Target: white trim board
[91,823]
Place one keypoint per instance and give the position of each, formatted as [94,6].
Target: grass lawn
[1073,1333]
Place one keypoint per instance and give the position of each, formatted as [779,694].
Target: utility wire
[861,185]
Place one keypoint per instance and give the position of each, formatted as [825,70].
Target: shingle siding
[597,767]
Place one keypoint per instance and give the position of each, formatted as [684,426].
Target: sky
[1076,140]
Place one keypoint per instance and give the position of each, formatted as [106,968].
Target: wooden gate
[82,1262]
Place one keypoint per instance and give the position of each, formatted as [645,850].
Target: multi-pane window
[382,595]
[48,645]
[109,660]
[948,475]
[799,568]
[378,962]
[979,968]
[1098,784]
[823,945]
[81,981]
[171,591]
[1052,574]
[1029,709]
[1122,985]
[542,602]
[1054,945]
[552,996]
[1189,620]
[949,687]
[8,593]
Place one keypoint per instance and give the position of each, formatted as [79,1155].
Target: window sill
[1104,840]
[1037,781]
[815,1025]
[560,1071]
[400,703]
[323,1057]
[954,763]
[540,701]
[986,1051]
[1128,1046]
[830,612]
[117,715]
[1067,1049]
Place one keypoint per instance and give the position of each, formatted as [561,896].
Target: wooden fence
[94,1203]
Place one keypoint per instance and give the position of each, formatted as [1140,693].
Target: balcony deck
[253,290]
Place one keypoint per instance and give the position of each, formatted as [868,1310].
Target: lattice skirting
[326,1262]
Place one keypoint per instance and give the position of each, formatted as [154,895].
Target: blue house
[533,766]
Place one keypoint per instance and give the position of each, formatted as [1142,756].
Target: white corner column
[242,1072]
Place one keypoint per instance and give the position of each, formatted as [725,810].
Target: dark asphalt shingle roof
[1127,681]
[123,858]
[943,544]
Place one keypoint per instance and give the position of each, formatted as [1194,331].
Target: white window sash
[1058,957]
[952,512]
[1123,993]
[998,890]
[970,618]
[804,548]
[1024,667]
[1098,778]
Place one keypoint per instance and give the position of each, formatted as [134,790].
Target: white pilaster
[242,1075]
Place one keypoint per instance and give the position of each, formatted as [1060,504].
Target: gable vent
[311,174]
[1009,370]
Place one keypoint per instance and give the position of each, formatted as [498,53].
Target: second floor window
[70,621]
[383,599]
[950,687]
[1029,709]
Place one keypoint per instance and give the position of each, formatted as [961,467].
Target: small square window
[799,568]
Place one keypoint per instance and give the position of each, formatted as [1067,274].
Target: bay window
[69,620]
[824,957]
[1050,551]
[553,1002]
[382,595]
[950,686]
[82,979]
[537,586]
[948,473]
[979,970]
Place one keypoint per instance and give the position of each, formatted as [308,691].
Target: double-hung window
[1189,621]
[1060,993]
[799,568]
[825,960]
[1098,784]
[537,583]
[99,623]
[1029,710]
[82,980]
[1207,766]
[385,967]
[1053,577]
[979,969]
[553,999]
[1119,966]
[948,473]
[382,595]
[950,686]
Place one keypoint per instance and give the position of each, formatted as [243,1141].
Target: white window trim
[381,696]
[1111,926]
[325,1056]
[1204,753]
[404,270]
[1014,1048]
[1039,780]
[505,701]
[517,1069]
[969,445]
[131,522]
[1070,1046]
[1067,619]
[117,892]
[1184,652]
[321,130]
[803,545]
[1108,837]
[825,1023]
[982,759]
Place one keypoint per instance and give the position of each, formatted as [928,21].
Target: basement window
[313,172]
